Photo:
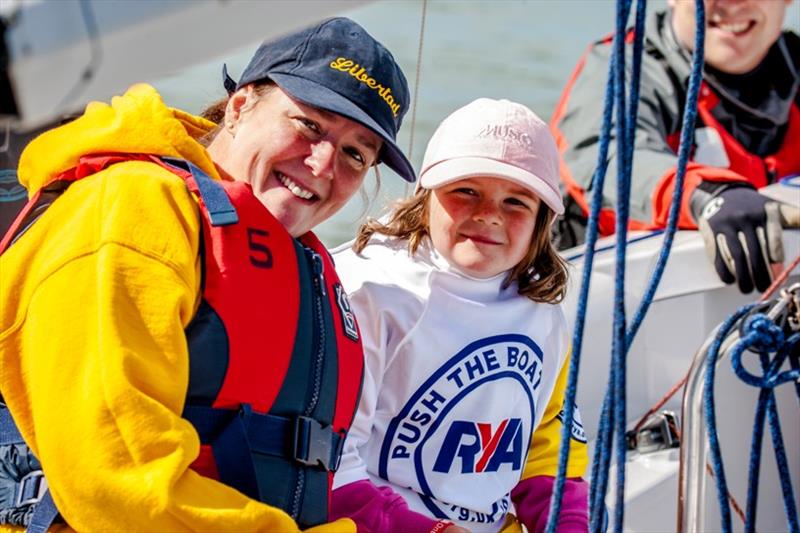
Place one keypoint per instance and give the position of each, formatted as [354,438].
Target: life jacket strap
[9,434]
[44,515]
[235,435]
[219,207]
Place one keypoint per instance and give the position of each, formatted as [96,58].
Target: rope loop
[762,334]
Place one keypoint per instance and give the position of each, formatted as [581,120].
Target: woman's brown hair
[541,275]
[216,112]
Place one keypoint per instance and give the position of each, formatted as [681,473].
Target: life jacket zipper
[770,171]
[318,270]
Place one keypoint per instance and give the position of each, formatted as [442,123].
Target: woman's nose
[322,159]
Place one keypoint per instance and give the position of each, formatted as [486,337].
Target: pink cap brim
[452,170]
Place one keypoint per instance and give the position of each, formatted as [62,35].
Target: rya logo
[481,448]
[435,437]
[576,431]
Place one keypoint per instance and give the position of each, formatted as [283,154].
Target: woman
[136,302]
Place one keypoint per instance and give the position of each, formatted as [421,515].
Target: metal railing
[694,441]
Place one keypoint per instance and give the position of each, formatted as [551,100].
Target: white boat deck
[689,303]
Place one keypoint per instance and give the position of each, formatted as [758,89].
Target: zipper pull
[771,171]
[319,272]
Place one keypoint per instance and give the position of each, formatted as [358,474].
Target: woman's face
[739,33]
[483,226]
[303,163]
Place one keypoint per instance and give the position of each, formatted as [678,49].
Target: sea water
[522,50]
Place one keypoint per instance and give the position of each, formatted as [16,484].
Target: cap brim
[452,170]
[317,95]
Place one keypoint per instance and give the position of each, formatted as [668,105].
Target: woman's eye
[466,190]
[356,155]
[310,124]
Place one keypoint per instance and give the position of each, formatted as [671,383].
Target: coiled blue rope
[613,413]
[761,335]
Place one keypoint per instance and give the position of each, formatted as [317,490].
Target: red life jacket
[607,217]
[756,170]
[744,165]
[275,359]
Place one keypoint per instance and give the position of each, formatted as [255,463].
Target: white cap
[496,138]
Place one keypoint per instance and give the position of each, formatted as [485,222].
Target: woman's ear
[238,103]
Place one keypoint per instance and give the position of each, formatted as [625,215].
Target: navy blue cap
[337,66]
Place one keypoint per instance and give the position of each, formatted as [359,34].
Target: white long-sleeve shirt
[459,373]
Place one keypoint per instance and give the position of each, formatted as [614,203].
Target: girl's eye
[466,190]
[520,203]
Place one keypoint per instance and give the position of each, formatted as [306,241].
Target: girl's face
[483,226]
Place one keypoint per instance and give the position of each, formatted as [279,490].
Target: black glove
[743,235]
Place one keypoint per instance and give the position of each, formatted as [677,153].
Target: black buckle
[316,444]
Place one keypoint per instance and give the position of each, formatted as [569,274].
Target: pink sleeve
[379,510]
[531,498]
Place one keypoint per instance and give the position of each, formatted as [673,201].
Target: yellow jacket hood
[95,299]
[137,122]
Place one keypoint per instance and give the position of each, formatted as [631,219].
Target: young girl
[466,346]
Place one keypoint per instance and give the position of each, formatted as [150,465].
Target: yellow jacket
[94,299]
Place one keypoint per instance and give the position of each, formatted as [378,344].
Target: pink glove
[379,510]
[531,498]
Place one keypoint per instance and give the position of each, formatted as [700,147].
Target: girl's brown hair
[541,275]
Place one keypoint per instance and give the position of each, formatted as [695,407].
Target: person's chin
[730,62]
[475,265]
[290,216]
[295,227]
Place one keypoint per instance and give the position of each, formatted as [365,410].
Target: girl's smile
[483,225]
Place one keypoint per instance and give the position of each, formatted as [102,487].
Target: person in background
[175,348]
[465,340]
[746,135]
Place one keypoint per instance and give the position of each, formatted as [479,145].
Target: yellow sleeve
[543,454]
[95,365]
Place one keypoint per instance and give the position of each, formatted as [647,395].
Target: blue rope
[613,413]
[754,466]
[687,132]
[711,419]
[794,359]
[598,180]
[761,335]
[611,405]
[646,236]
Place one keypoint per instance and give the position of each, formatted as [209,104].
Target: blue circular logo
[446,428]
[10,189]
